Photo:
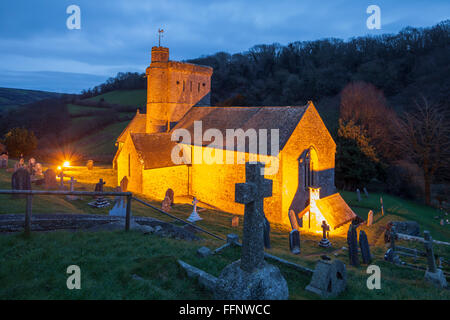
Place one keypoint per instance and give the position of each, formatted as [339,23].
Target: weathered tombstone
[170,195]
[329,279]
[20,180]
[442,222]
[72,182]
[294,241]
[294,220]
[251,277]
[99,185]
[120,207]
[358,195]
[31,166]
[433,274]
[370,218]
[365,248]
[124,184]
[266,233]
[61,176]
[382,207]
[324,242]
[365,192]
[194,215]
[50,179]
[165,205]
[352,243]
[235,221]
[90,164]
[19,164]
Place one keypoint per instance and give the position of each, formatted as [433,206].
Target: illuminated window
[129,165]
[308,164]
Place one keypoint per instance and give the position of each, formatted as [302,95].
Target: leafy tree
[356,159]
[20,141]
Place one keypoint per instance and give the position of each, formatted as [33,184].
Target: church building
[178,101]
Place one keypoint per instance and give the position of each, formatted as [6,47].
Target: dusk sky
[38,51]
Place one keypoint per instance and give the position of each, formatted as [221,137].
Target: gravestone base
[437,278]
[325,243]
[264,283]
[329,279]
[99,203]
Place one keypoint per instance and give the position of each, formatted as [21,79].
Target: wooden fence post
[29,206]
[128,216]
[429,250]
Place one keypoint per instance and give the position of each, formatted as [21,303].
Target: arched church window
[308,164]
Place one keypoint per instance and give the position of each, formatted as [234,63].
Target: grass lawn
[75,110]
[124,97]
[36,267]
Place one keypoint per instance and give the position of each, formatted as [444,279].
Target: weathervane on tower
[160,35]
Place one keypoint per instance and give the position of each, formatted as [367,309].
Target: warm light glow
[59,168]
[66,164]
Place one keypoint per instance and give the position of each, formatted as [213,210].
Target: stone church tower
[172,89]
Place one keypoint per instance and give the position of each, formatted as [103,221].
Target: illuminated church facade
[178,99]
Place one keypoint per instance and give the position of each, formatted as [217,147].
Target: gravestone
[411,228]
[165,205]
[19,164]
[365,248]
[170,195]
[294,241]
[352,242]
[32,166]
[194,217]
[329,279]
[100,202]
[4,161]
[90,164]
[124,184]
[251,277]
[50,179]
[72,182]
[266,233]
[365,192]
[38,169]
[235,221]
[294,220]
[120,207]
[358,195]
[433,274]
[370,218]
[61,176]
[20,180]
[382,207]
[324,242]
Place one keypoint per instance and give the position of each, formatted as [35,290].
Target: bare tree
[424,137]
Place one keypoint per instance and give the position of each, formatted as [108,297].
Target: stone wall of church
[310,133]
[215,184]
[157,181]
[129,165]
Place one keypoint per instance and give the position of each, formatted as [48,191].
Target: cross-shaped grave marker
[252,194]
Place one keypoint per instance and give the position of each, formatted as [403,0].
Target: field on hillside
[124,97]
[10,97]
[110,260]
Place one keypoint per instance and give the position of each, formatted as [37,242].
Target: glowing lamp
[59,168]
[66,164]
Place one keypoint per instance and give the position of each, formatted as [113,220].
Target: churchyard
[135,265]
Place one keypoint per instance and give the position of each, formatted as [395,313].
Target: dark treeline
[123,81]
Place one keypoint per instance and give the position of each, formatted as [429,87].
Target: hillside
[10,97]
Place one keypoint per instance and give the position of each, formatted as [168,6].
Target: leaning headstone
[99,185]
[358,195]
[90,164]
[294,220]
[251,277]
[170,195]
[50,179]
[100,202]
[382,207]
[294,241]
[365,192]
[165,205]
[20,180]
[352,243]
[365,248]
[324,242]
[266,233]
[329,279]
[370,218]
[433,274]
[124,184]
[235,221]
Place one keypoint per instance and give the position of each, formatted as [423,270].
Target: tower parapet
[172,89]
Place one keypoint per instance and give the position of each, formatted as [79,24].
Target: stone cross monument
[252,194]
[251,278]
